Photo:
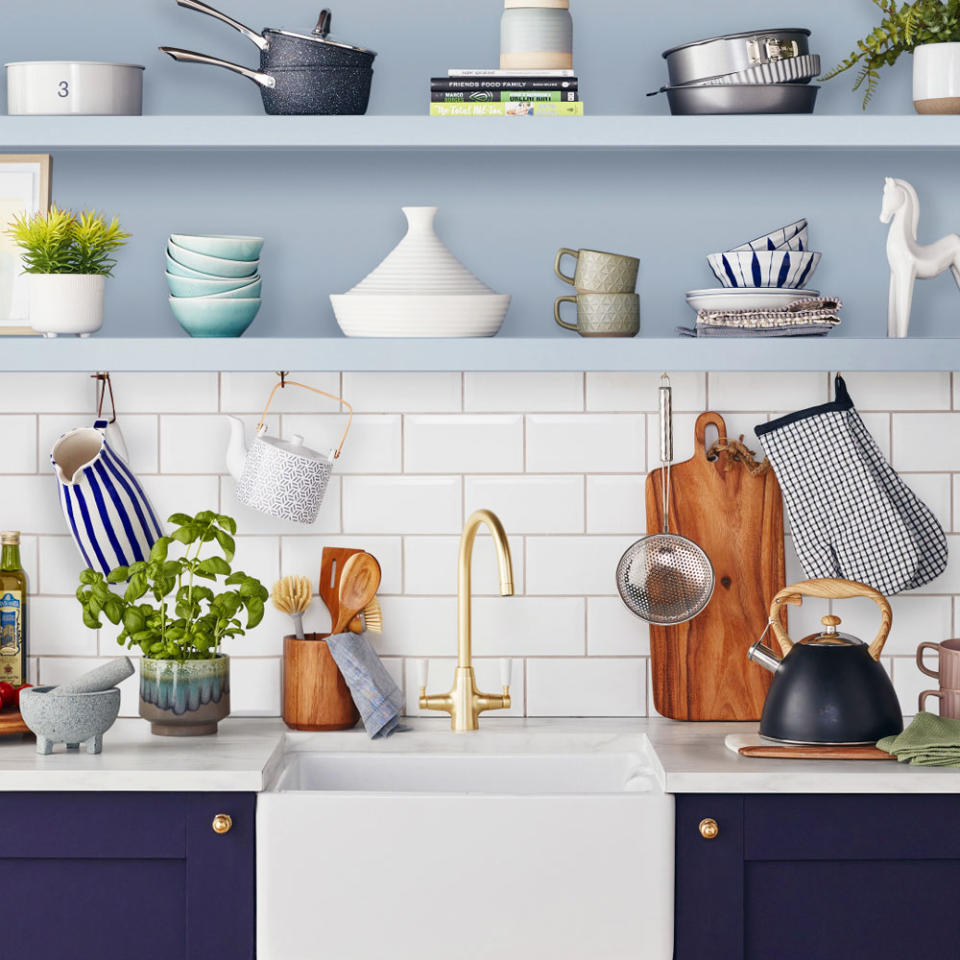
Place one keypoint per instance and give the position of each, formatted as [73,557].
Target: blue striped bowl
[779,269]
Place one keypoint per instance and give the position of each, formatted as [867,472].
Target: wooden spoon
[359,583]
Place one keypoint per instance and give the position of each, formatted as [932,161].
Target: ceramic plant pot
[70,303]
[184,699]
[936,78]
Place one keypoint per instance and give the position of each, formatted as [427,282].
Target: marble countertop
[246,754]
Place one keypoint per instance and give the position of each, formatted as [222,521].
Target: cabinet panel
[709,892]
[886,910]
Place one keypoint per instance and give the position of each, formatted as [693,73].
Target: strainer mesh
[665,579]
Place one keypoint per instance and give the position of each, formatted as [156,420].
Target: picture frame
[24,186]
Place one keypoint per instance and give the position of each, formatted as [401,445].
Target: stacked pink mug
[948,673]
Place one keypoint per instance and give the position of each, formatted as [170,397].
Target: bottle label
[11,637]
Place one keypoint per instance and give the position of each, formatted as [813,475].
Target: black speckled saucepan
[284,48]
[298,90]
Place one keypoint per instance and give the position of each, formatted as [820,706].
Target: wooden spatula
[359,582]
[332,562]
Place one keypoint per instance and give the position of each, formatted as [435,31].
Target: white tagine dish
[420,290]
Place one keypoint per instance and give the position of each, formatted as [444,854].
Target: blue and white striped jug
[109,515]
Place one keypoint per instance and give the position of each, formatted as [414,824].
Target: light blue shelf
[252,132]
[498,353]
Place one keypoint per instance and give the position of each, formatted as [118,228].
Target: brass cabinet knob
[222,823]
[709,828]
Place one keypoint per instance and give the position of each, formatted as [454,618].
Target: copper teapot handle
[284,382]
[830,589]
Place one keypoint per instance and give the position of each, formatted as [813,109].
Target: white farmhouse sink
[495,844]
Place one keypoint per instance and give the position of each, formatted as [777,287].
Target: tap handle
[423,668]
[506,667]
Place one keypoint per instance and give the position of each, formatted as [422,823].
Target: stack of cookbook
[506,93]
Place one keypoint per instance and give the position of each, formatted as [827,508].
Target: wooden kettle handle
[830,589]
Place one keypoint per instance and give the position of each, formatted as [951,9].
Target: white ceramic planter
[936,78]
[81,88]
[69,303]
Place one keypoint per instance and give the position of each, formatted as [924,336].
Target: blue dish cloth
[377,697]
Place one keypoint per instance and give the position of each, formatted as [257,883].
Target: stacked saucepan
[300,73]
[758,71]
[214,283]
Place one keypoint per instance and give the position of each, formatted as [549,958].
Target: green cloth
[929,741]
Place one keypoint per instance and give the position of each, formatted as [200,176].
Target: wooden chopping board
[11,722]
[754,746]
[699,669]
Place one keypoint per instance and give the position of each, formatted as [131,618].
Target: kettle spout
[236,449]
[764,656]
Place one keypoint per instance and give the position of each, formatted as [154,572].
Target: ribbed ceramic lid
[554,4]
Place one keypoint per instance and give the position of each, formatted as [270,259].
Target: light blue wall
[330,217]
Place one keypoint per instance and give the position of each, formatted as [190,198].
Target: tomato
[8,695]
[17,692]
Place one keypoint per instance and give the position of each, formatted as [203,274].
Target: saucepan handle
[190,56]
[251,35]
[830,589]
[284,382]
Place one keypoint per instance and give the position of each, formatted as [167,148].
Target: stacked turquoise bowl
[214,283]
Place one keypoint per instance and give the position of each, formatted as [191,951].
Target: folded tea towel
[377,697]
[712,330]
[929,741]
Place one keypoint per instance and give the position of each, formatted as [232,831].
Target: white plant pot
[936,78]
[70,303]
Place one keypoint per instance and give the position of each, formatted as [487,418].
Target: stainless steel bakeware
[734,52]
[750,98]
[795,70]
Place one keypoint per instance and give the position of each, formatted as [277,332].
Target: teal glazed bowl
[179,270]
[228,248]
[205,317]
[208,287]
[250,291]
[211,266]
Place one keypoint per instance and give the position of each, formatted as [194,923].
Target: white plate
[725,298]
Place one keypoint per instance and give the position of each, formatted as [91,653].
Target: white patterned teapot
[282,478]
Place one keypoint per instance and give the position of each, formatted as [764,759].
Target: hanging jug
[106,509]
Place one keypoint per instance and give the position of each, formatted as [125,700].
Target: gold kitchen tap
[465,702]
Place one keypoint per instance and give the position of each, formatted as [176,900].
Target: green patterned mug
[599,272]
[602,314]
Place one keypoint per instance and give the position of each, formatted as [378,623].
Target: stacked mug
[947,673]
[607,301]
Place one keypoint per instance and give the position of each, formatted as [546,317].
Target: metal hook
[283,374]
[104,384]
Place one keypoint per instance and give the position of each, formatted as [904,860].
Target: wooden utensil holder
[315,695]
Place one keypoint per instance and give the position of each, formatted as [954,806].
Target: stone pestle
[100,678]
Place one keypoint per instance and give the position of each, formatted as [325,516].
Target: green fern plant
[903,28]
[61,241]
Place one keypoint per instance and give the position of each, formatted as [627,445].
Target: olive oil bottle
[13,611]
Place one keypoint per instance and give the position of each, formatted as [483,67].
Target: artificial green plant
[61,241]
[200,618]
[904,27]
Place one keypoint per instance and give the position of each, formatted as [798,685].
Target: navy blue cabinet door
[818,878]
[118,875]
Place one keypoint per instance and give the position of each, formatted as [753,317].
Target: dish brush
[293,595]
[370,618]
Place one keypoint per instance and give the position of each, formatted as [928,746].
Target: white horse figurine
[908,259]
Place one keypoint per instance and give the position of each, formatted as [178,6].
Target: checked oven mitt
[850,513]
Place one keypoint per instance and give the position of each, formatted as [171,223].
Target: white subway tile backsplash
[255,687]
[626,392]
[474,443]
[48,393]
[59,565]
[926,441]
[249,392]
[532,392]
[585,687]
[408,504]
[166,393]
[19,434]
[31,504]
[529,626]
[585,443]
[574,566]
[765,391]
[899,391]
[417,627]
[430,565]
[529,504]
[613,631]
[57,629]
[403,392]
[616,504]
[173,493]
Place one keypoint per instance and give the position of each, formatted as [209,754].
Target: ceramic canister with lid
[536,35]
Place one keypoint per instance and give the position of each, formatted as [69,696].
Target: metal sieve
[664,578]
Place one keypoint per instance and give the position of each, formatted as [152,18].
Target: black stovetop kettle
[830,687]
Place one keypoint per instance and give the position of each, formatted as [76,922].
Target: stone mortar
[71,719]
